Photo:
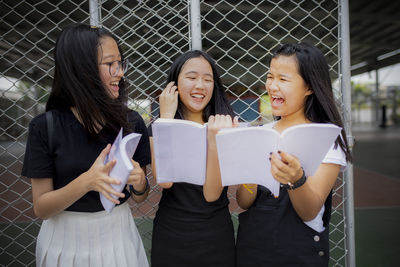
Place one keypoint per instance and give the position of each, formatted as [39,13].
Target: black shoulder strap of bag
[50,129]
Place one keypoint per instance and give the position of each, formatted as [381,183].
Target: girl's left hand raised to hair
[137,177]
[169,101]
[286,168]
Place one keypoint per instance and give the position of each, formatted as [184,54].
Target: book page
[243,156]
[180,149]
[309,143]
[243,152]
[122,151]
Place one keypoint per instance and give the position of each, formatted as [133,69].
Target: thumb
[103,154]
[136,165]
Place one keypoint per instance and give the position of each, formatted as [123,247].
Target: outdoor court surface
[377,196]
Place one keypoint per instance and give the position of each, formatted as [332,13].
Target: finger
[277,174]
[211,119]
[136,171]
[236,121]
[114,194]
[110,180]
[286,171]
[289,159]
[227,120]
[103,154]
[133,177]
[172,90]
[110,190]
[116,201]
[274,159]
[295,170]
[166,89]
[108,167]
[135,164]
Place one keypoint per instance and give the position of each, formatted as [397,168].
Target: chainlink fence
[240,35]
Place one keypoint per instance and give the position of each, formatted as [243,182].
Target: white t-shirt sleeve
[336,156]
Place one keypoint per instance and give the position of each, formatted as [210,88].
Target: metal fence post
[94,13]
[346,94]
[195,25]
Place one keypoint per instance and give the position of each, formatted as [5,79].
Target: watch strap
[297,184]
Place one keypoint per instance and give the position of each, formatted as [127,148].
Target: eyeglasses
[115,66]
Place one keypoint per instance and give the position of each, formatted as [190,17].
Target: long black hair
[77,81]
[218,103]
[320,106]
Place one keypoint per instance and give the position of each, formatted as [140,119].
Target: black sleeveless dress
[189,231]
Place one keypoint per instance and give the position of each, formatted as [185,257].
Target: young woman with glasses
[65,158]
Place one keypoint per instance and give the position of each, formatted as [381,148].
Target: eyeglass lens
[116,65]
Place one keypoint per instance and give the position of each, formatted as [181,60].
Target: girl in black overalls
[292,230]
[193,226]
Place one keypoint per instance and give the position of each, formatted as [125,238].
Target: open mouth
[115,86]
[197,96]
[277,100]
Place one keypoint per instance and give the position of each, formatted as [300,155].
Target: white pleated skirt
[91,239]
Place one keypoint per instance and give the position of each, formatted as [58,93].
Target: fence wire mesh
[240,35]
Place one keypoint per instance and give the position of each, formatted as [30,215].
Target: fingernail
[270,153]
[269,158]
[279,151]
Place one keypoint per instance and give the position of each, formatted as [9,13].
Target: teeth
[116,84]
[198,96]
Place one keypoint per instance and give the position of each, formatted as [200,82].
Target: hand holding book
[180,148]
[137,178]
[285,168]
[122,152]
[251,146]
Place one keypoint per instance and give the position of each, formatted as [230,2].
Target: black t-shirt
[74,153]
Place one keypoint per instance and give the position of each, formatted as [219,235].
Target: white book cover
[180,151]
[122,151]
[243,152]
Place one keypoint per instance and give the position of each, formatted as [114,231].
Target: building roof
[27,35]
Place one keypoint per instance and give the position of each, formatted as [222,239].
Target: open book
[180,149]
[243,152]
[122,151]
